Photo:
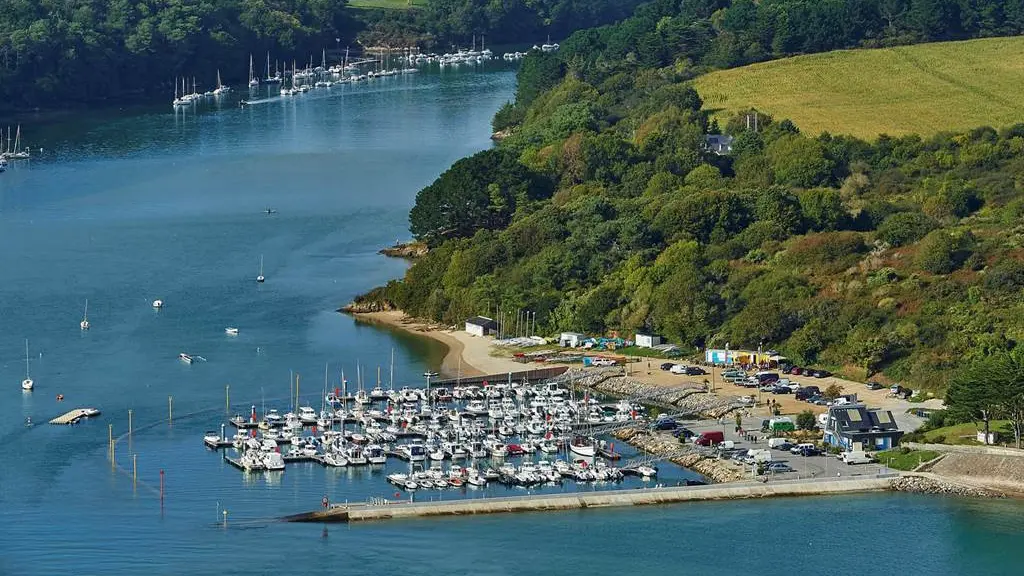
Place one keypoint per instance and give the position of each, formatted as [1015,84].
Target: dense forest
[55,54]
[603,209]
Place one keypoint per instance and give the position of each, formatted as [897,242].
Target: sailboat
[260,278]
[17,152]
[286,91]
[220,89]
[276,78]
[27,383]
[85,317]
[253,81]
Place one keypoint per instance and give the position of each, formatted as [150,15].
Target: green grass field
[921,89]
[387,4]
[905,460]
[967,433]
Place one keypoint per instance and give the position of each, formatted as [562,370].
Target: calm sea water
[123,208]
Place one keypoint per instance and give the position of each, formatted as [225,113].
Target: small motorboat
[158,303]
[186,358]
[85,317]
[231,331]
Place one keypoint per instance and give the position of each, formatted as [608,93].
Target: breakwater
[588,500]
[689,398]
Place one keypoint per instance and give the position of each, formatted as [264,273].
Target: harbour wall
[603,499]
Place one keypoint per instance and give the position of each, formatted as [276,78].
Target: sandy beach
[474,352]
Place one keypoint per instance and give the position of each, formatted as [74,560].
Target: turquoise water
[123,208]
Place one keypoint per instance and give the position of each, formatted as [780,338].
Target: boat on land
[27,384]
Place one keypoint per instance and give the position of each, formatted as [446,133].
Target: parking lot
[798,466]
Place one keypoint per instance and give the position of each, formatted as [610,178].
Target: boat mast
[392,384]
[27,377]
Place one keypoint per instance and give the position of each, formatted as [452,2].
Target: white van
[776,442]
[756,456]
[856,457]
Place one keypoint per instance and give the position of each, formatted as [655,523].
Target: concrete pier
[603,499]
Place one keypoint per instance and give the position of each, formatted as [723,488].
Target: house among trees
[855,427]
[571,339]
[481,326]
[647,340]
[720,144]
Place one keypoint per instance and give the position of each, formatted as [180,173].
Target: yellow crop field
[923,89]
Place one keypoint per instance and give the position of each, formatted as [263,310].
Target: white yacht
[230,331]
[583,446]
[186,358]
[158,303]
[260,277]
[27,384]
[413,452]
[85,317]
[307,415]
[273,461]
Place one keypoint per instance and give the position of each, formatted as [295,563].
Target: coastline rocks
[694,459]
[408,250]
[501,135]
[367,306]
[690,398]
[926,485]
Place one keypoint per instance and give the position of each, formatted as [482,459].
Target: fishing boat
[583,446]
[230,331]
[253,81]
[27,384]
[260,277]
[85,317]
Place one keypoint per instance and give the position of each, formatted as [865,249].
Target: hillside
[897,258]
[921,89]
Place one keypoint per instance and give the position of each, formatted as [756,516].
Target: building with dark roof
[481,326]
[855,427]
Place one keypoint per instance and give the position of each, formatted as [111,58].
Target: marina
[524,433]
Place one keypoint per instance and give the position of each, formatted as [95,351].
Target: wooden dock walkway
[75,415]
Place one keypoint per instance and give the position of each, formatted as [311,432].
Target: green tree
[806,420]
[799,161]
[905,228]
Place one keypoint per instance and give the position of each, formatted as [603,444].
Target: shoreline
[466,355]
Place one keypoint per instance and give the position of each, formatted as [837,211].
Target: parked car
[821,374]
[767,388]
[732,372]
[820,401]
[683,433]
[667,365]
[811,451]
[874,385]
[781,390]
[709,438]
[855,457]
[799,448]
[678,369]
[602,362]
[778,468]
[695,371]
[665,424]
[807,392]
[796,370]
